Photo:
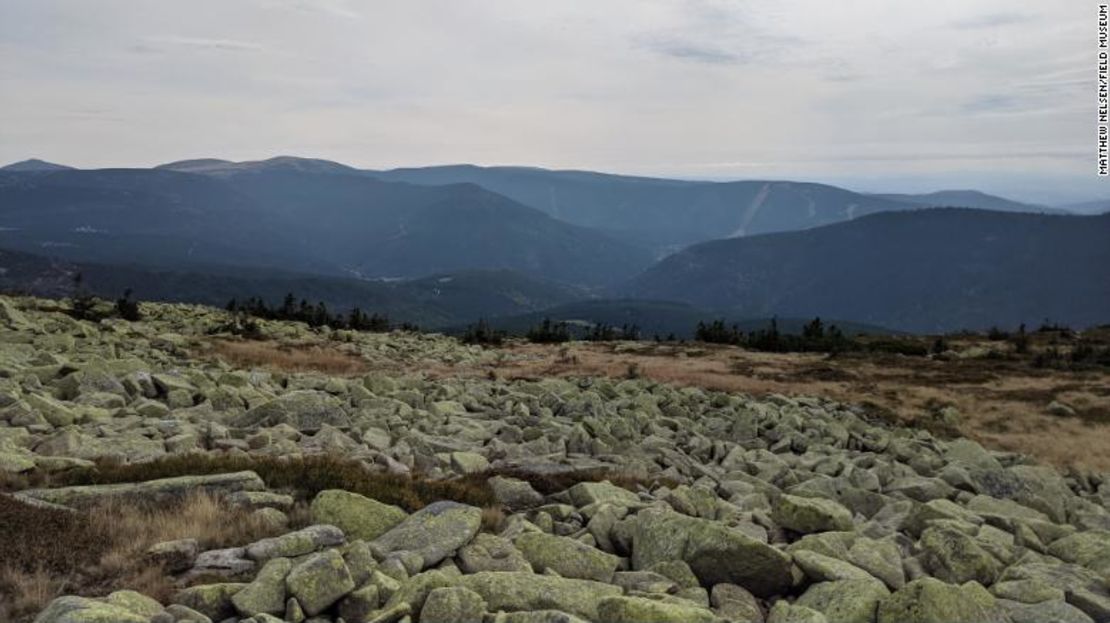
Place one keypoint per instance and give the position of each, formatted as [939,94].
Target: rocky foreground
[778,509]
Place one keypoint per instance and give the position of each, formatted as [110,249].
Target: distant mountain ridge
[970,199]
[34,165]
[921,271]
[286,215]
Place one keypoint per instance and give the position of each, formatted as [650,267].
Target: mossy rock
[528,591]
[929,600]
[566,556]
[643,610]
[359,517]
[319,581]
[806,515]
[83,610]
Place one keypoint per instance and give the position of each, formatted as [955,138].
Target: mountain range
[514,242]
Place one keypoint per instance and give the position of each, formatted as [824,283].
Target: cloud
[154,43]
[991,20]
[693,52]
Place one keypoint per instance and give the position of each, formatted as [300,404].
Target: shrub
[127,308]
[548,332]
[483,334]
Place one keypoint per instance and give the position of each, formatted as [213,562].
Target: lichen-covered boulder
[434,532]
[735,603]
[786,612]
[1057,611]
[715,552]
[83,610]
[929,600]
[133,601]
[211,600]
[586,493]
[453,605]
[492,553]
[266,593]
[514,494]
[806,515]
[845,601]
[567,557]
[821,568]
[304,410]
[529,591]
[642,610]
[319,581]
[299,543]
[359,517]
[1090,549]
[955,557]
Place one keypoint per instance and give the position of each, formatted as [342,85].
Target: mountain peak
[34,164]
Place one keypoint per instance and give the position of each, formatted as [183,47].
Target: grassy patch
[288,358]
[46,552]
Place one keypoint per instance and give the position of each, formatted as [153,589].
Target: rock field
[773,509]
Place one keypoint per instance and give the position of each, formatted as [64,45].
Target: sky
[876,95]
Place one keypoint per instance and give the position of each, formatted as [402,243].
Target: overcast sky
[873,94]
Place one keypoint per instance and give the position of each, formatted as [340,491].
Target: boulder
[806,515]
[357,516]
[786,612]
[528,591]
[641,610]
[735,603]
[299,543]
[492,553]
[211,600]
[586,493]
[714,552]
[304,410]
[514,494]
[845,601]
[453,605]
[929,600]
[266,593]
[434,532]
[83,610]
[319,581]
[359,604]
[568,557]
[156,492]
[955,557]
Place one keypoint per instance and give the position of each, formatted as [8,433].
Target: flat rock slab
[158,491]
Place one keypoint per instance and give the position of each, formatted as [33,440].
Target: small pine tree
[127,308]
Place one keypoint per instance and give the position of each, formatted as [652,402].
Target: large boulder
[928,600]
[715,552]
[955,557]
[434,532]
[83,610]
[528,591]
[357,516]
[586,493]
[567,557]
[453,604]
[319,581]
[211,600]
[266,593]
[845,601]
[806,515]
[159,491]
[492,553]
[299,543]
[304,410]
[642,610]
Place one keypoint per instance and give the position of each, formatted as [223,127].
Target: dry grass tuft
[45,552]
[326,358]
[493,519]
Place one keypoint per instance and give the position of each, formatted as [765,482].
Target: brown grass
[45,553]
[326,358]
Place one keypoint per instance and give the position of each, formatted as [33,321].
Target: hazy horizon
[989,95]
